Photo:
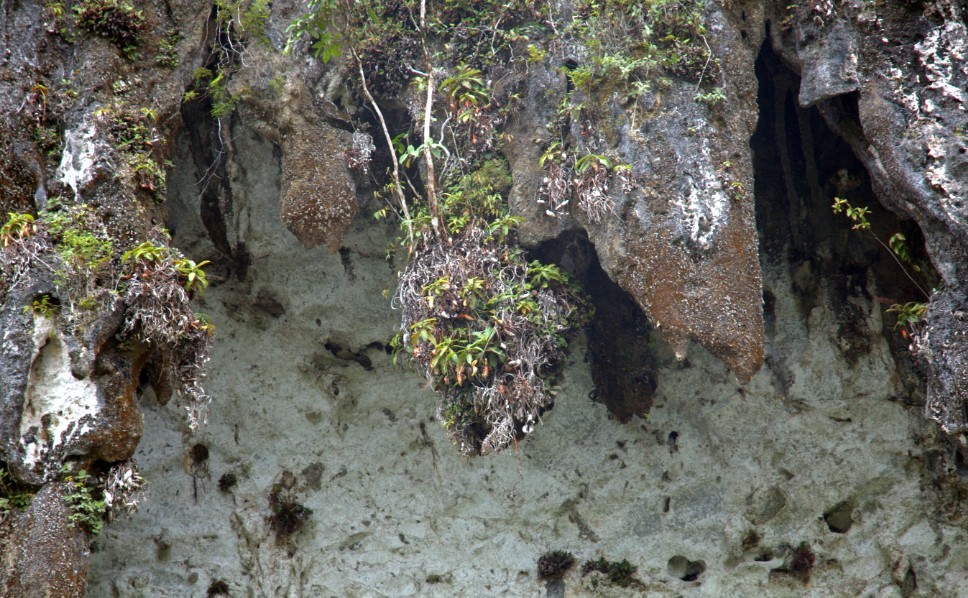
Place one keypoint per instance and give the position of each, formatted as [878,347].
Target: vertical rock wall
[321,470]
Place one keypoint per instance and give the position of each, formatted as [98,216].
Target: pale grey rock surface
[301,384]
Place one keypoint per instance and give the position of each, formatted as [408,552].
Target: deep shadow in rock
[800,166]
[619,334]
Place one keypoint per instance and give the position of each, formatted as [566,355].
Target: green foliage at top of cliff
[116,20]
[616,42]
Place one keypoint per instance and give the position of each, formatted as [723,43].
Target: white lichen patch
[942,55]
[704,204]
[79,162]
[57,406]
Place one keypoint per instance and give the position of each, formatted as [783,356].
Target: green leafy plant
[44,305]
[314,24]
[116,20]
[204,323]
[536,55]
[192,273]
[857,215]
[713,97]
[910,314]
[134,134]
[17,226]
[11,497]
[168,51]
[593,162]
[78,236]
[465,88]
[731,183]
[146,251]
[86,510]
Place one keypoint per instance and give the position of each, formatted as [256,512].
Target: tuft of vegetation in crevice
[619,573]
[87,510]
[133,133]
[12,496]
[554,564]
[287,516]
[116,20]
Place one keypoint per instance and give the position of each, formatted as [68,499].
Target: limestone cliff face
[766,431]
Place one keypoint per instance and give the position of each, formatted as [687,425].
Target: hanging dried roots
[486,327]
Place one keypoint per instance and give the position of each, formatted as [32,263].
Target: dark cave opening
[800,166]
[619,334]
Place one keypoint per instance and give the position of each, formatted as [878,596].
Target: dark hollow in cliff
[801,165]
[619,334]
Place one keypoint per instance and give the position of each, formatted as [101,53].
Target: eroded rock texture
[890,81]
[319,473]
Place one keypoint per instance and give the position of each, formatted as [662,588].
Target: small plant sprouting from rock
[287,515]
[87,511]
[711,98]
[910,315]
[45,306]
[167,51]
[218,588]
[553,565]
[134,135]
[17,227]
[11,497]
[227,482]
[116,20]
[619,573]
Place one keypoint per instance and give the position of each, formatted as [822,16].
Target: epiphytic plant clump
[158,289]
[153,283]
[116,20]
[485,325]
[585,177]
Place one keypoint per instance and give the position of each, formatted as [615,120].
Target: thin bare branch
[397,185]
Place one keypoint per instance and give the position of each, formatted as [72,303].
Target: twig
[709,56]
[397,185]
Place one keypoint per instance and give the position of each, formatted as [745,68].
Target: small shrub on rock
[116,20]
[483,323]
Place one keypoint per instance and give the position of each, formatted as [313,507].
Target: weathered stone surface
[318,199]
[824,450]
[681,238]
[906,125]
[44,555]
[735,476]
